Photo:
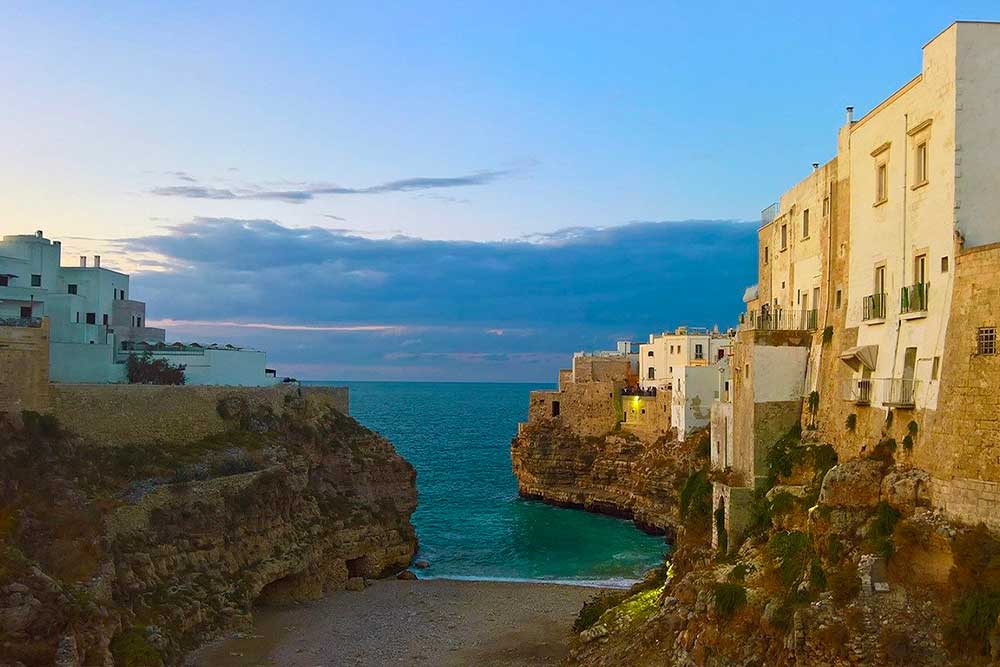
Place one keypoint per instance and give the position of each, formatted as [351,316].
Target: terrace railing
[890,392]
[873,307]
[913,299]
[33,322]
[779,320]
[768,215]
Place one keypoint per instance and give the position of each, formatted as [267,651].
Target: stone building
[875,308]
[24,364]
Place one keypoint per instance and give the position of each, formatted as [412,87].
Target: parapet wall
[588,409]
[588,368]
[166,415]
[24,368]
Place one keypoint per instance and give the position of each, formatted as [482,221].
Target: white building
[663,357]
[93,323]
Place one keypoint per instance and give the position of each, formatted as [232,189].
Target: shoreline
[418,622]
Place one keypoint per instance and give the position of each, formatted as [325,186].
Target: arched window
[651,375]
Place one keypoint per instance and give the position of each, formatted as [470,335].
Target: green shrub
[884,451]
[844,583]
[888,418]
[813,401]
[132,649]
[595,607]
[739,573]
[879,536]
[728,598]
[852,422]
[817,577]
[827,334]
[908,442]
[788,552]
[40,425]
[912,428]
[144,369]
[784,455]
[974,617]
[696,496]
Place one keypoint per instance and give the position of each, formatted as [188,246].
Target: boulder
[355,584]
[421,565]
[856,483]
[906,490]
[406,575]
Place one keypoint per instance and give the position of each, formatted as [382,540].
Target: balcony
[768,215]
[858,391]
[873,307]
[913,299]
[30,322]
[779,320]
[889,392]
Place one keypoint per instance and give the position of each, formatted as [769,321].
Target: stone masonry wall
[163,414]
[24,368]
[588,368]
[587,409]
[647,416]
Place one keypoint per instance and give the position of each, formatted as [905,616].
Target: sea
[470,521]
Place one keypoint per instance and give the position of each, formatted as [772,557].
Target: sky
[432,191]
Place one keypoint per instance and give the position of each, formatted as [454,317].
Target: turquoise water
[470,520]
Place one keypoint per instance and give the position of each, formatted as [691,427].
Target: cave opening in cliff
[359,567]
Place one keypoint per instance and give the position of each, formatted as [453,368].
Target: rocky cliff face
[842,566]
[120,552]
[617,474]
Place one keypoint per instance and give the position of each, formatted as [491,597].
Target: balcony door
[909,369]
[920,269]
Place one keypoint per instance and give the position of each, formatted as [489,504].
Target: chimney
[39,234]
[83,261]
[97,261]
[850,115]
[815,166]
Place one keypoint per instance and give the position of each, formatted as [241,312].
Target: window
[784,237]
[91,318]
[116,294]
[651,373]
[920,269]
[699,351]
[746,371]
[36,280]
[105,322]
[944,265]
[72,289]
[936,368]
[826,206]
[805,224]
[986,340]
[649,354]
[920,163]
[555,408]
[138,322]
[765,255]
[4,281]
[836,299]
[721,353]
[25,312]
[78,317]
[881,183]
[879,280]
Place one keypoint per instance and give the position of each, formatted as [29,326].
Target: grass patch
[132,649]
[595,607]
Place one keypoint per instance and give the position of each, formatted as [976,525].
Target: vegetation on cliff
[132,553]
[843,564]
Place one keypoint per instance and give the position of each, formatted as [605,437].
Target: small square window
[766,257]
[91,318]
[784,237]
[935,368]
[826,206]
[881,183]
[36,280]
[944,264]
[986,340]
[805,223]
[4,281]
[921,163]
[72,289]
[837,299]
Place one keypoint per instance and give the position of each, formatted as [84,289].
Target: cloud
[319,298]
[307,193]
[334,217]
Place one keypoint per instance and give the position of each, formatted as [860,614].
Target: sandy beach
[436,622]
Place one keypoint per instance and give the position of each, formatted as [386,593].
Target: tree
[145,369]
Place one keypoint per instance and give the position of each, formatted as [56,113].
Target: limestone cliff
[131,553]
[843,565]
[618,474]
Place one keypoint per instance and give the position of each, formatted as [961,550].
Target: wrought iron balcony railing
[890,392]
[873,307]
[779,320]
[913,299]
[858,390]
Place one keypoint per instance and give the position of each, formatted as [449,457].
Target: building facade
[93,324]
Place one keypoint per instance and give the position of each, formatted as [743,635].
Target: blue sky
[418,143]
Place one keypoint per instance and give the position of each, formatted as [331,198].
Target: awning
[750,293]
[862,355]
